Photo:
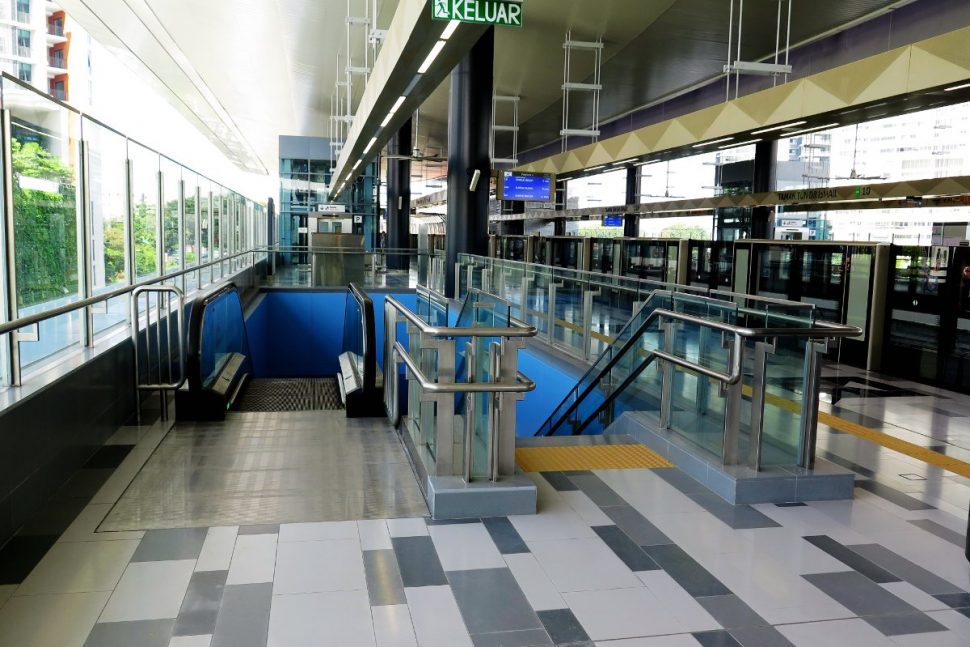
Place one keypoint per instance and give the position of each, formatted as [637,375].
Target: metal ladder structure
[595,48]
[736,67]
[512,128]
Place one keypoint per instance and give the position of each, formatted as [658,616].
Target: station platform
[189,535]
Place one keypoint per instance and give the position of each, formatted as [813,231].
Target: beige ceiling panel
[650,135]
[848,82]
[631,146]
[699,123]
[816,99]
[731,119]
[879,83]
[949,186]
[675,134]
[940,61]
[763,105]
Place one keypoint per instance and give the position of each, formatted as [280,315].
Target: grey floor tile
[244,617]
[505,536]
[893,495]
[681,481]
[941,531]
[959,600]
[851,559]
[905,623]
[384,585]
[144,633]
[739,517]
[686,571]
[559,481]
[636,526]
[563,626]
[260,529]
[716,639]
[599,492]
[174,544]
[527,638]
[491,601]
[731,612]
[760,637]
[418,561]
[874,604]
[916,575]
[450,522]
[623,547]
[200,606]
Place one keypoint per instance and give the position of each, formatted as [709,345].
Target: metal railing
[158,354]
[431,366]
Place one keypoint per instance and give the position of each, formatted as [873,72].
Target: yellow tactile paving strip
[912,450]
[588,457]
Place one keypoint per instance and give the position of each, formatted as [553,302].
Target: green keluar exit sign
[507,13]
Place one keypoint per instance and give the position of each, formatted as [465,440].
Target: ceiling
[248,71]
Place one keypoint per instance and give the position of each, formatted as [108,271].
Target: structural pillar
[469,128]
[512,227]
[399,196]
[631,221]
[765,159]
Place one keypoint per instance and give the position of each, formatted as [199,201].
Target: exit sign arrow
[506,13]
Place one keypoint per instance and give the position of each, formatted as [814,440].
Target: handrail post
[732,404]
[809,423]
[758,383]
[588,295]
[470,406]
[667,371]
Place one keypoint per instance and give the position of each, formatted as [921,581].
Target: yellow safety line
[588,457]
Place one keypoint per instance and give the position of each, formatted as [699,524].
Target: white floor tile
[582,565]
[463,547]
[318,531]
[217,549]
[336,618]
[407,527]
[622,613]
[149,591]
[582,505]
[834,633]
[392,626]
[63,620]
[919,599]
[374,535]
[86,523]
[319,566]
[437,621]
[253,560]
[79,567]
[535,584]
[190,641]
[559,522]
[680,640]
[678,602]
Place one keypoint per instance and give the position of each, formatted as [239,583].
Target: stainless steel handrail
[517,330]
[523,383]
[160,319]
[29,320]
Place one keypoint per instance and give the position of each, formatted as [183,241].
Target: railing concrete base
[449,497]
[738,484]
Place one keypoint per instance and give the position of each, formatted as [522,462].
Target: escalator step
[296,394]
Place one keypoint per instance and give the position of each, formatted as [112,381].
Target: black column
[631,221]
[765,158]
[469,126]
[512,227]
[399,196]
[559,227]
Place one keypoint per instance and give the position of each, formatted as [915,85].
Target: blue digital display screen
[612,221]
[529,187]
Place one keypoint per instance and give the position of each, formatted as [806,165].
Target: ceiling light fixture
[714,141]
[370,144]
[811,130]
[750,141]
[431,57]
[393,110]
[957,87]
[595,168]
[450,29]
[781,127]
[632,159]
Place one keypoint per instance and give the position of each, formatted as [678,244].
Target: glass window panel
[44,158]
[107,153]
[216,203]
[191,250]
[205,220]
[171,244]
[144,201]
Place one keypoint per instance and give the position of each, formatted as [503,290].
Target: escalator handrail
[369,332]
[193,353]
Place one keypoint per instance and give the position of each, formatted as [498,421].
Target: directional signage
[507,13]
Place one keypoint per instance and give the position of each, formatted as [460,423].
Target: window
[25,72]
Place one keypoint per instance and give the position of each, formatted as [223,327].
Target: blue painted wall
[301,334]
[552,384]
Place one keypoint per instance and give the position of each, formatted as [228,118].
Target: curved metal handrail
[518,329]
[523,383]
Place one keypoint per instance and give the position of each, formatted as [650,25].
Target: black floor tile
[260,529]
[739,517]
[54,518]
[449,522]
[559,481]
[505,536]
[716,639]
[693,577]
[21,554]
[418,561]
[797,504]
[85,483]
[955,600]
[563,626]
[108,456]
[852,559]
[624,548]
[200,606]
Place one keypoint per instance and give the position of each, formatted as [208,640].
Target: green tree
[45,224]
[692,232]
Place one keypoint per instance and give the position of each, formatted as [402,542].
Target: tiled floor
[615,558]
